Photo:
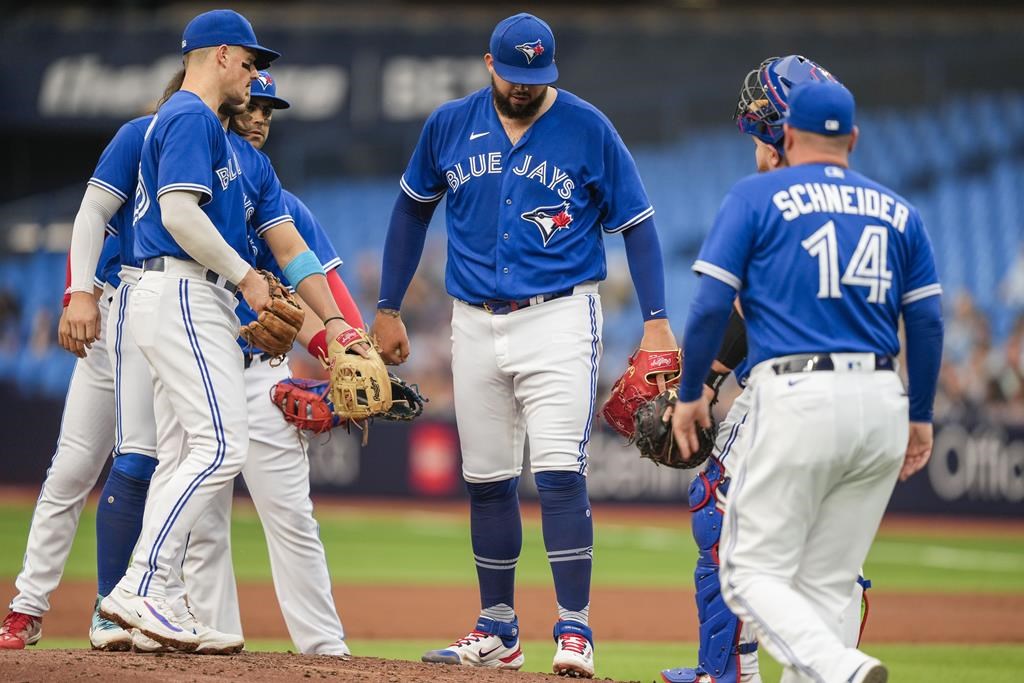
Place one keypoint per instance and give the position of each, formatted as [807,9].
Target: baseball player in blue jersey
[88,428]
[728,648]
[191,237]
[315,627]
[534,178]
[834,427]
[276,469]
[83,445]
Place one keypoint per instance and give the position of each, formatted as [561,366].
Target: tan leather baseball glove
[278,324]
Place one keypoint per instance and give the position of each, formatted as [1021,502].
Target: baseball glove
[306,404]
[648,374]
[655,440]
[406,400]
[360,387]
[278,324]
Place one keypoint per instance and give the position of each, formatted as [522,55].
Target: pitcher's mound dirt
[81,665]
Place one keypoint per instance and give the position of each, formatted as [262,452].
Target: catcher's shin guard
[720,650]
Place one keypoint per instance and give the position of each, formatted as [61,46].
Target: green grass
[377,547]
[642,661]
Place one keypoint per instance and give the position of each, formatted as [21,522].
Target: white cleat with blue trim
[150,615]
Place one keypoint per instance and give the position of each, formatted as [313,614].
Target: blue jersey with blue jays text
[316,238]
[525,219]
[187,149]
[264,204]
[110,263]
[117,172]
[824,260]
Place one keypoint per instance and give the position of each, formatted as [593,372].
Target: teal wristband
[301,267]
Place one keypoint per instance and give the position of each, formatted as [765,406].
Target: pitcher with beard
[534,177]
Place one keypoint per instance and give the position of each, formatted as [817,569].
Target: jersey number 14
[867,267]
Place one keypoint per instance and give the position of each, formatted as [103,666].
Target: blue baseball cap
[224,27]
[263,86]
[821,107]
[523,48]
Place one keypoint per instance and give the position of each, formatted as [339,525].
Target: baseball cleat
[339,649]
[144,644]
[106,635]
[574,650]
[492,644]
[698,675]
[871,671]
[212,641]
[150,615]
[19,630]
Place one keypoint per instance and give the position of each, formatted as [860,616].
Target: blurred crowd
[982,374]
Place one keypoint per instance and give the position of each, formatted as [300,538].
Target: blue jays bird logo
[531,50]
[265,80]
[549,219]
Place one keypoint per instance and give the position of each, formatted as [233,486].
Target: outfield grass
[643,661]
[429,549]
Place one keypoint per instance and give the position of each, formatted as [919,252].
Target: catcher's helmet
[764,97]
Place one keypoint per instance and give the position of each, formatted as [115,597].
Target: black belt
[498,307]
[248,358]
[812,362]
[160,263]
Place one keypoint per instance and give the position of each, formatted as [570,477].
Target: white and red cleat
[491,644]
[19,630]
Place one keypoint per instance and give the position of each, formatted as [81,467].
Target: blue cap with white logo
[225,27]
[264,87]
[523,48]
[821,107]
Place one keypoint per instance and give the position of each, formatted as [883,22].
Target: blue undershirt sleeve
[643,253]
[924,327]
[403,247]
[705,327]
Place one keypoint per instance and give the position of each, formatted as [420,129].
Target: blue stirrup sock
[119,517]
[497,534]
[569,539]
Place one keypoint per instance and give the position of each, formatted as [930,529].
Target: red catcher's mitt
[648,374]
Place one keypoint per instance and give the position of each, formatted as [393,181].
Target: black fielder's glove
[406,400]
[653,436]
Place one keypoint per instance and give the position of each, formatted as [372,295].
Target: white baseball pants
[83,445]
[820,464]
[186,327]
[133,384]
[276,473]
[532,371]
[730,449]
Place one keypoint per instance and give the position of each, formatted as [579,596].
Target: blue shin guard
[119,517]
[719,651]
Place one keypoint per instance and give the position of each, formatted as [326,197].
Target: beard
[509,110]
[229,110]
